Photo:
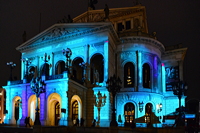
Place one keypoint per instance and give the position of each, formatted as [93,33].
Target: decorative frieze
[145,40]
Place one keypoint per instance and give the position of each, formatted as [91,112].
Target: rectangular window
[120,26]
[128,25]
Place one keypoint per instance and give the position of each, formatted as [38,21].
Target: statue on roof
[137,2]
[66,20]
[91,4]
[69,20]
[24,36]
[106,10]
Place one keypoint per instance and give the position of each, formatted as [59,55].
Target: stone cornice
[175,51]
[180,51]
[141,39]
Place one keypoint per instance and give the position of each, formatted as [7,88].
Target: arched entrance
[53,109]
[76,108]
[57,113]
[129,114]
[148,113]
[17,109]
[32,107]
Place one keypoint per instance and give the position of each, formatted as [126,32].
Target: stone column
[43,106]
[106,59]
[154,77]
[65,104]
[38,66]
[22,70]
[180,63]
[87,61]
[139,70]
[8,107]
[51,64]
[163,77]
[24,105]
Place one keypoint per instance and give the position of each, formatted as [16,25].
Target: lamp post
[67,53]
[37,86]
[179,89]
[12,66]
[159,107]
[100,101]
[113,86]
[27,63]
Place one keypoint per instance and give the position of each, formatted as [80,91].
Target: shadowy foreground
[64,129]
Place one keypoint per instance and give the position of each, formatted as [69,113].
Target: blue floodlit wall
[105,111]
[137,50]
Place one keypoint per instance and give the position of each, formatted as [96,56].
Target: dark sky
[175,21]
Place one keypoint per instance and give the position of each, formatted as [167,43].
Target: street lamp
[179,89]
[12,66]
[159,107]
[67,53]
[113,86]
[37,86]
[100,101]
[141,104]
[27,63]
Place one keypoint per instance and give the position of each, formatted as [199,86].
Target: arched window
[60,67]
[129,74]
[129,113]
[45,70]
[77,70]
[97,69]
[74,110]
[146,75]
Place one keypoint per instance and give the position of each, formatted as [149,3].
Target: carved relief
[59,32]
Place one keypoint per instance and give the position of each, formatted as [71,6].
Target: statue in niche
[154,35]
[136,23]
[137,2]
[69,19]
[66,20]
[96,76]
[106,11]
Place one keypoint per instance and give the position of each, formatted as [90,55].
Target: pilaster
[90,107]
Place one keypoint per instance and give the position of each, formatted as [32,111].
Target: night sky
[175,21]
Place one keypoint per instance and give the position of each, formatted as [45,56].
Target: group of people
[76,122]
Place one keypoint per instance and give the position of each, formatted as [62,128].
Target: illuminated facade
[100,48]
[2,105]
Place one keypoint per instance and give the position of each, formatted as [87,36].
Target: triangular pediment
[63,31]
